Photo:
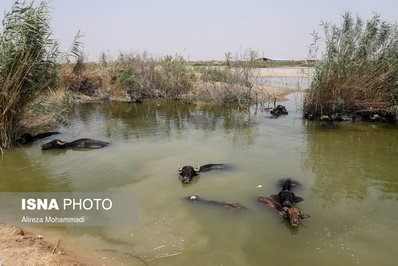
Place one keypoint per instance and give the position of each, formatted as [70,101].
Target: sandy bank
[22,248]
[271,94]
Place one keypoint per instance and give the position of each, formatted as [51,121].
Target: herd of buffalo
[283,202]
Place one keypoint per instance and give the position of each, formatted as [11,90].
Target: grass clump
[359,69]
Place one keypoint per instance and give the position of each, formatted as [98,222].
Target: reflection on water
[349,162]
[348,179]
[22,170]
[165,118]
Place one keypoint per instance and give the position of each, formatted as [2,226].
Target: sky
[201,30]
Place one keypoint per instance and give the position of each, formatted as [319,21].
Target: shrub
[28,64]
[358,71]
[173,77]
[215,74]
[128,83]
[82,80]
[230,84]
[141,76]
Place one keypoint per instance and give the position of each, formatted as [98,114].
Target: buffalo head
[187,173]
[54,144]
[25,138]
[293,215]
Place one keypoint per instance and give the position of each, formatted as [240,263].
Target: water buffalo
[278,111]
[80,143]
[291,214]
[28,138]
[188,172]
[226,205]
[327,122]
[286,197]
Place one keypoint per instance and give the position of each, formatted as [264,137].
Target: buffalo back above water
[80,143]
[188,172]
[223,204]
[28,138]
[286,197]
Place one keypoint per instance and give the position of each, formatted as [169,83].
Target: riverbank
[202,83]
[271,94]
[18,247]
[52,109]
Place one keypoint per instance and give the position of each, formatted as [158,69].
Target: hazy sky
[204,29]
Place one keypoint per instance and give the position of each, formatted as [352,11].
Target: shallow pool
[348,179]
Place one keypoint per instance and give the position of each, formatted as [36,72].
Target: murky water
[348,179]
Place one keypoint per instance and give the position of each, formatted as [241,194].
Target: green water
[348,179]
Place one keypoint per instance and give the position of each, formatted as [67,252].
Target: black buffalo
[286,197]
[80,143]
[278,111]
[328,122]
[223,204]
[188,172]
[28,138]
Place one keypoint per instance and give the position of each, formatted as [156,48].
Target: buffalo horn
[59,142]
[197,169]
[179,169]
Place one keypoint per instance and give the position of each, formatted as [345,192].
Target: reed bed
[359,70]
[28,64]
